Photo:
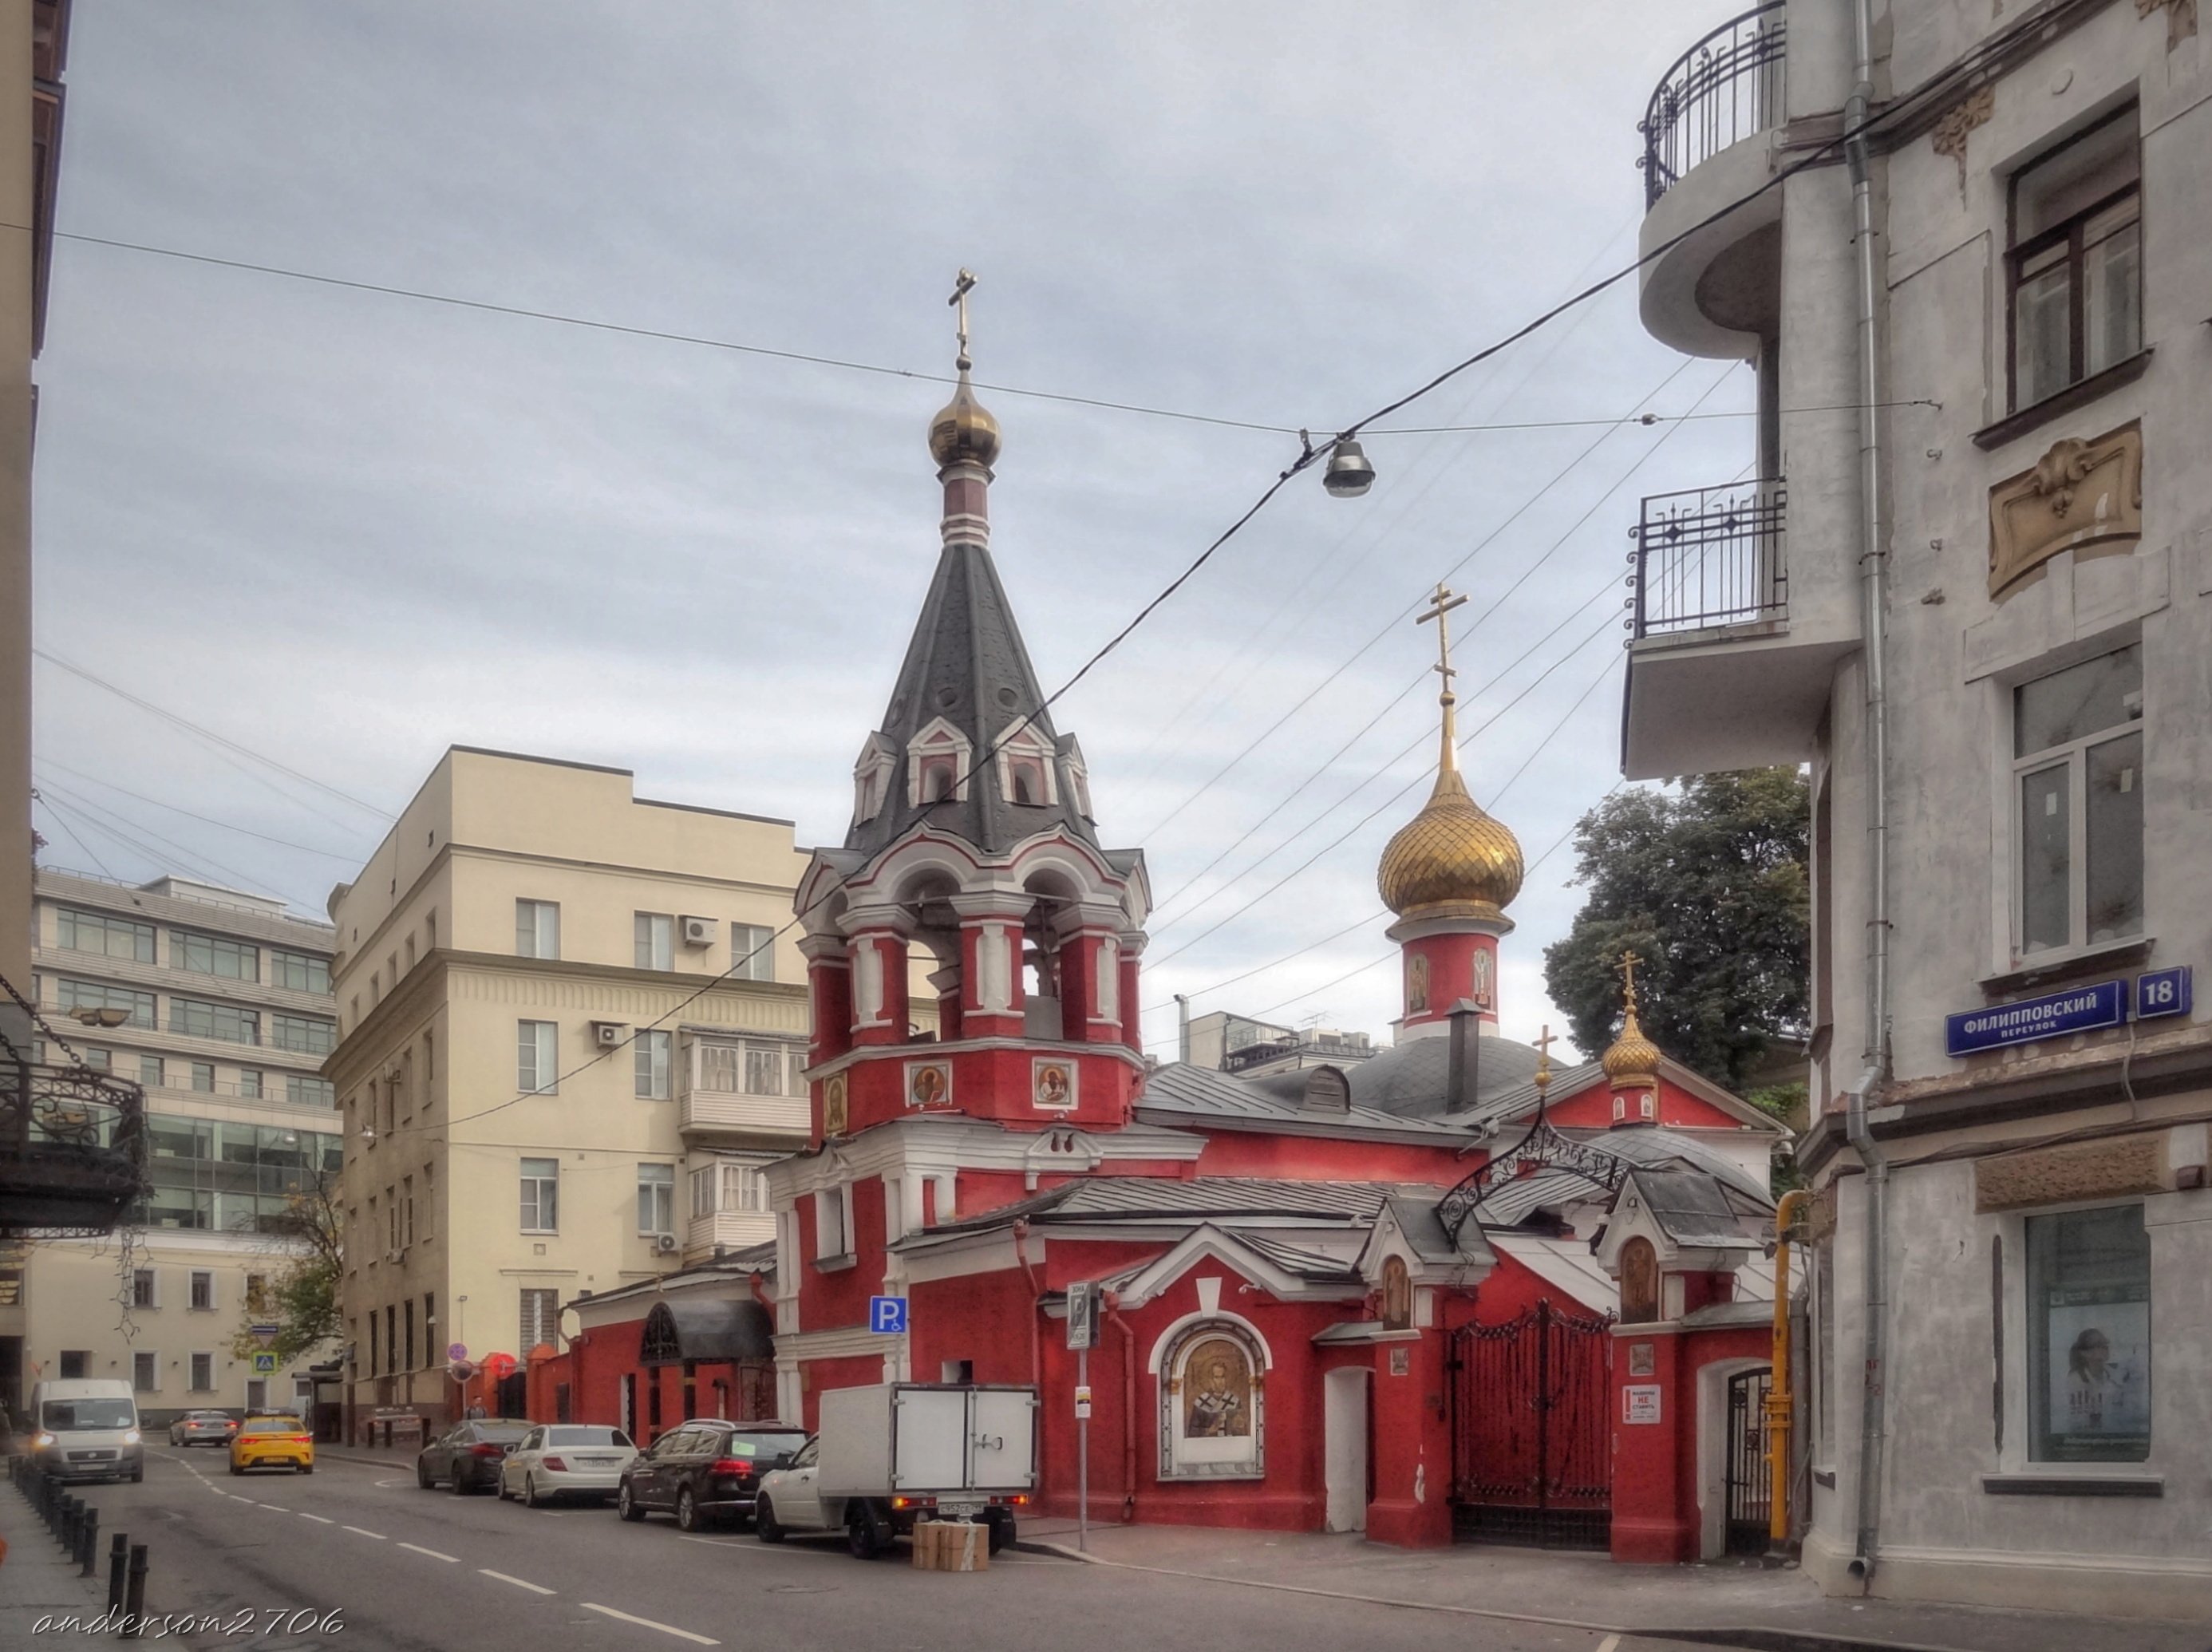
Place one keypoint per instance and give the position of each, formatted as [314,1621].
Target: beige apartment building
[570,1039]
[222,1005]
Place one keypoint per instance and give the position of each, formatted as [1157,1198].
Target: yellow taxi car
[272,1442]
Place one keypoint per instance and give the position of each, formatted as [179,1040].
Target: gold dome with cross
[1453,860]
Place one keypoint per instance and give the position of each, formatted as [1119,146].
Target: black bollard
[134,1599]
[118,1557]
[70,1505]
[88,1542]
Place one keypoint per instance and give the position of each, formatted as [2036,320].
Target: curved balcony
[1708,143]
[1721,674]
[72,1147]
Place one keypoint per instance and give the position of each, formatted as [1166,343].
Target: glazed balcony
[72,1146]
[1720,674]
[1708,137]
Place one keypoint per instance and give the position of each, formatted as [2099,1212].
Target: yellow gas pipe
[1781,1404]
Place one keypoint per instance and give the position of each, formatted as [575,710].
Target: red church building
[1445,1292]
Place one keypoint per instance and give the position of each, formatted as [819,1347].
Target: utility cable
[206,734]
[1424,674]
[37,796]
[345,857]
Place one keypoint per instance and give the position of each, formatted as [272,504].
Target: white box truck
[889,1454]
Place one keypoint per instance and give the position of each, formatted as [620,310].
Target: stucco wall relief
[2053,1176]
[2078,494]
[1949,136]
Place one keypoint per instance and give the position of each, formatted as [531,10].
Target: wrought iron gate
[1750,1489]
[1531,1447]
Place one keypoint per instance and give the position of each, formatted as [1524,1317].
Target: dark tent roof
[966,664]
[712,1328]
[1409,1078]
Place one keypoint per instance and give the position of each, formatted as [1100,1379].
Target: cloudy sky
[345,529]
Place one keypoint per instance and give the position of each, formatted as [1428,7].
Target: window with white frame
[2078,787]
[2075,261]
[656,1199]
[203,1372]
[537,1057]
[541,1315]
[745,1188]
[541,1196]
[871,778]
[655,940]
[1025,766]
[146,1371]
[763,1070]
[832,1238]
[703,1192]
[649,1056]
[937,760]
[537,929]
[95,932]
[752,953]
[214,955]
[2088,1334]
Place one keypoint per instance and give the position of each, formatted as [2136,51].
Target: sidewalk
[1759,1609]
[36,1581]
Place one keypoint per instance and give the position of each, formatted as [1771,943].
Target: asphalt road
[356,1558]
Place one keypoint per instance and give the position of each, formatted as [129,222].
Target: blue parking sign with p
[887,1316]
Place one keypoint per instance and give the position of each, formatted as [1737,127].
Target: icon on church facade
[1417,984]
[1397,1295]
[1051,1083]
[928,1084]
[835,1116]
[1220,1384]
[1483,968]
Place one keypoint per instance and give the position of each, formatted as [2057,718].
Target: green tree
[301,1300]
[1705,883]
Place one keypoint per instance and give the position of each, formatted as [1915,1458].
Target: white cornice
[859,1053]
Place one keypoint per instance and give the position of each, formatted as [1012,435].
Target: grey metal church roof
[1179,1091]
[966,664]
[1408,1080]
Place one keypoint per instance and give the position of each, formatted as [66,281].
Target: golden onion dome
[1631,1062]
[964,431]
[1451,860]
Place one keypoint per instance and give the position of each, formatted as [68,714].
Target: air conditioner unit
[664,1243]
[399,1255]
[698,932]
[607,1035]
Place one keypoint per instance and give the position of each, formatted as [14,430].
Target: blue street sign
[265,1364]
[2163,992]
[2078,1008]
[887,1316]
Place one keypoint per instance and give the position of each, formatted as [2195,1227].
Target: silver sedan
[566,1460]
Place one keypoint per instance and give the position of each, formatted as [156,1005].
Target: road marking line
[272,1506]
[433,1553]
[521,1583]
[648,1622]
[235,1497]
[318,1519]
[358,1532]
[1609,1643]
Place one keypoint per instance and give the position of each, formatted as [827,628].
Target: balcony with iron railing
[1711,226]
[72,1140]
[1721,674]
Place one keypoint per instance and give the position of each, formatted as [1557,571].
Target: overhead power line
[346,857]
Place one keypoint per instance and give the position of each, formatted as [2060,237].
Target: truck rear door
[929,1434]
[1000,1424]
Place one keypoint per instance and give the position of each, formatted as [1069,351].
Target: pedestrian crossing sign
[265,1364]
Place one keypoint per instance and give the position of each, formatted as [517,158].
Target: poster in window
[1217,1379]
[2099,1355]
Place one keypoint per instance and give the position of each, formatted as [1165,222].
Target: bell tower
[971,873]
[1449,874]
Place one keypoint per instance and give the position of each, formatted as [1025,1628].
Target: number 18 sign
[2162,993]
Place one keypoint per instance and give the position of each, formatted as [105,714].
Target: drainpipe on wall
[1111,1300]
[1874,573]
[1037,1304]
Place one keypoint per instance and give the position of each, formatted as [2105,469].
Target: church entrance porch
[1531,1446]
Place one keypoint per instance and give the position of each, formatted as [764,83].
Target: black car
[706,1471]
[468,1458]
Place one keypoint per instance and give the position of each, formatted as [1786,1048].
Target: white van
[87,1429]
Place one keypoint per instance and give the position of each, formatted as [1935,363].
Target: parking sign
[887,1316]
[1083,1315]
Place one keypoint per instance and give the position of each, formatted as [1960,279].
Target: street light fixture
[100,1015]
[1350,472]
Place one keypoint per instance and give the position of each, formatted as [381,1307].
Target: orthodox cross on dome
[1544,1043]
[1628,962]
[961,288]
[1440,606]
